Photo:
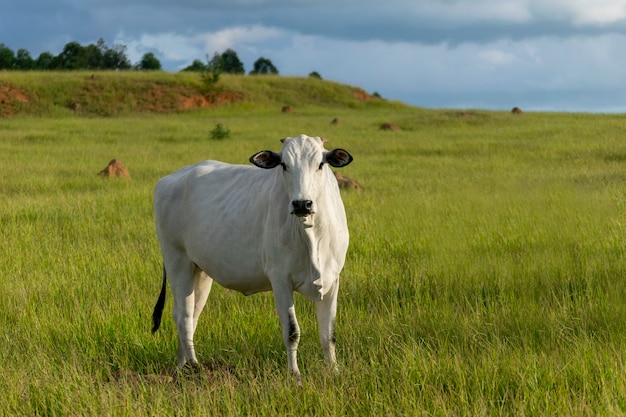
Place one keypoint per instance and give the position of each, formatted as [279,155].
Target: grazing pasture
[486,273]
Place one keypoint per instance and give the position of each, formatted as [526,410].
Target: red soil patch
[12,94]
[189,103]
[225,97]
[362,95]
[10,99]
[182,99]
[149,97]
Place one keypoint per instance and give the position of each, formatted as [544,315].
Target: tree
[315,74]
[45,61]
[264,66]
[115,58]
[23,60]
[7,57]
[215,64]
[93,55]
[196,66]
[102,46]
[149,62]
[72,57]
[231,63]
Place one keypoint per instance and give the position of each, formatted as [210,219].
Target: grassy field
[485,274]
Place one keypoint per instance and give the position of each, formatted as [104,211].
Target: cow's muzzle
[302,208]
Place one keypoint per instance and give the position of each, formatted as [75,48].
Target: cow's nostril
[302,207]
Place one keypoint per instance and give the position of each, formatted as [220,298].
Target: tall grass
[485,274]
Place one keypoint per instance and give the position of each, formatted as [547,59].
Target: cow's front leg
[326,310]
[291,330]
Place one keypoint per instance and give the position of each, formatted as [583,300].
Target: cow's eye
[321,165]
[284,166]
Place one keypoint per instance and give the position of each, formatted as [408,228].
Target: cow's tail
[158,308]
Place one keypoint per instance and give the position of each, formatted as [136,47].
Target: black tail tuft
[158,308]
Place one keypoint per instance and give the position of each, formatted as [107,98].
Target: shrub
[220,132]
[210,76]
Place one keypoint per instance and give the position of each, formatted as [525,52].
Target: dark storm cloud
[413,21]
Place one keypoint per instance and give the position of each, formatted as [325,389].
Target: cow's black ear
[338,158]
[266,159]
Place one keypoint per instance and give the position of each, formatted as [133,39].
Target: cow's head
[303,161]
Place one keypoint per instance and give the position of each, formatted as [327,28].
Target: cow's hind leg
[291,330]
[326,310]
[182,281]
[202,288]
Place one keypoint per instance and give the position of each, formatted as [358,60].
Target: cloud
[179,50]
[495,58]
[168,46]
[422,21]
[576,12]
[582,12]
[239,35]
[398,69]
[474,11]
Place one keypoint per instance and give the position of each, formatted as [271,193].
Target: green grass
[485,274]
[105,94]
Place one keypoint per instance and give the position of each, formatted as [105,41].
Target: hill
[119,93]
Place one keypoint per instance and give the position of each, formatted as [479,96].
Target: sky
[539,55]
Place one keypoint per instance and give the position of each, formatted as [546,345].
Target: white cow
[278,229]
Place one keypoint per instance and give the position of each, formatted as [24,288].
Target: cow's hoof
[191,368]
[296,378]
